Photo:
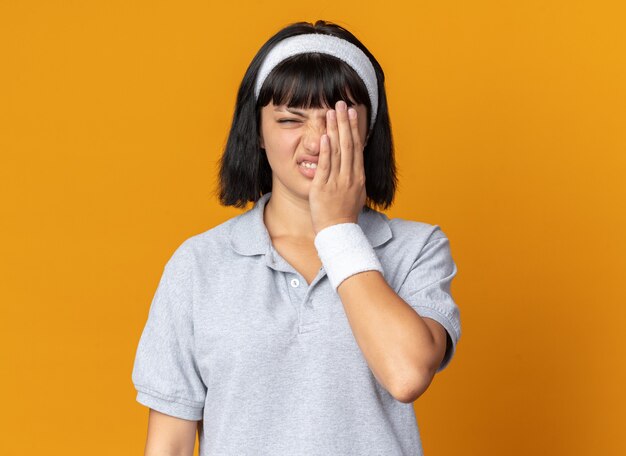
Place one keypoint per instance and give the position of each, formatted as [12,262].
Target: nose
[312,138]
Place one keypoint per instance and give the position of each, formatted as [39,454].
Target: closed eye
[287,121]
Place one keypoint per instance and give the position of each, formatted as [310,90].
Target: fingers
[333,134]
[345,139]
[345,149]
[357,161]
[323,164]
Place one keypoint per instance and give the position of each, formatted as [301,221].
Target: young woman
[308,324]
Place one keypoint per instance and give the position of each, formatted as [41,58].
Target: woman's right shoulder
[211,244]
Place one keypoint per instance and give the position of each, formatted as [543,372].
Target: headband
[325,44]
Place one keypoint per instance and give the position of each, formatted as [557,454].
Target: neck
[288,216]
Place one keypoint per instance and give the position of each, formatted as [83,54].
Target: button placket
[298,290]
[309,314]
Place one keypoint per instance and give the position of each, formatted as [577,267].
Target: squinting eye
[287,121]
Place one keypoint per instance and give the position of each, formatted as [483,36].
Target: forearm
[396,342]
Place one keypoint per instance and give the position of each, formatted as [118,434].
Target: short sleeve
[427,289]
[165,373]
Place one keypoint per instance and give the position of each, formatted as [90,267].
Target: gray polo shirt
[237,338]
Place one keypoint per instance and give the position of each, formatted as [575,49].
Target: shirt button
[295,282]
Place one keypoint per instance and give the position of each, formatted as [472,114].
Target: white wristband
[345,250]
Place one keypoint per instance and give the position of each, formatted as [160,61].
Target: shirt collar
[249,235]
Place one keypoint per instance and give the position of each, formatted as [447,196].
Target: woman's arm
[402,349]
[170,436]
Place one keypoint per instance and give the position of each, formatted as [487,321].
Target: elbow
[416,380]
[411,387]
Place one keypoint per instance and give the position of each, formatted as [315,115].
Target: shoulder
[413,233]
[198,250]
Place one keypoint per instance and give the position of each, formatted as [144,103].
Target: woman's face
[291,135]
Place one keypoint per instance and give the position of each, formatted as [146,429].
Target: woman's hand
[337,193]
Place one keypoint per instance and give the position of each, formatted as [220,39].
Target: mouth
[307,169]
[308,161]
[307,164]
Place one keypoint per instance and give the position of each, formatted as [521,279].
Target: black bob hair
[244,171]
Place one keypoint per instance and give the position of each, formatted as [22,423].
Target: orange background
[509,120]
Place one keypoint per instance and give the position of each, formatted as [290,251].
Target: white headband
[325,44]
